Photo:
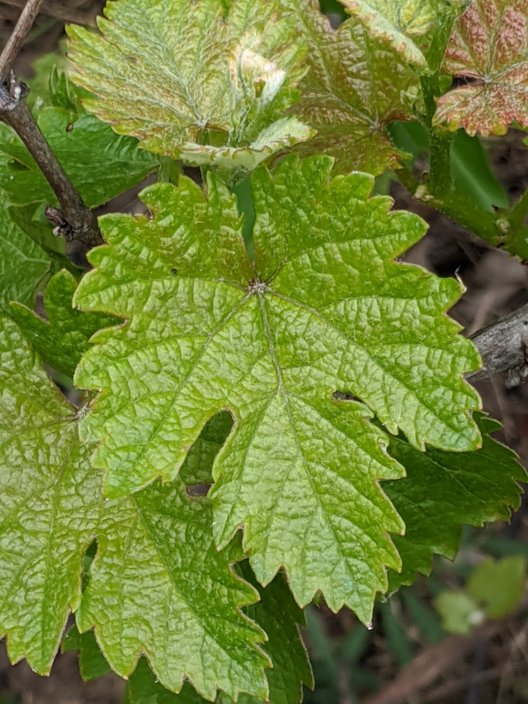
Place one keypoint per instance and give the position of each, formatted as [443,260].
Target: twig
[503,347]
[75,221]
[63,11]
[18,37]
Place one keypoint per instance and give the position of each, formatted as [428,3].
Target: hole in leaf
[345,396]
[198,490]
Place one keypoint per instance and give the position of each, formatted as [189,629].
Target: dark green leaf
[63,336]
[445,490]
[23,264]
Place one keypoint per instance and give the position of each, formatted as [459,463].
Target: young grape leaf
[489,50]
[222,75]
[398,21]
[62,338]
[100,163]
[348,95]
[416,29]
[49,502]
[23,264]
[323,309]
[157,583]
[445,490]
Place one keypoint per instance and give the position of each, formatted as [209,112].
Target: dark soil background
[494,670]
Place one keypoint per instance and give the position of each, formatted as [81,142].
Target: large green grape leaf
[63,336]
[489,50]
[100,163]
[49,502]
[323,309]
[348,95]
[157,583]
[23,263]
[222,75]
[445,490]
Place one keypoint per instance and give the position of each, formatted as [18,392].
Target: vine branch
[503,347]
[18,36]
[74,221]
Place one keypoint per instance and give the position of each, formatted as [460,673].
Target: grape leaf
[445,490]
[157,583]
[276,611]
[399,21]
[222,76]
[417,30]
[23,264]
[348,95]
[323,309]
[49,502]
[489,49]
[280,616]
[100,163]
[63,336]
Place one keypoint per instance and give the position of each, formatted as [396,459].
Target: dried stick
[64,10]
[75,221]
[18,37]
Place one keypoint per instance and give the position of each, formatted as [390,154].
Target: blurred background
[430,642]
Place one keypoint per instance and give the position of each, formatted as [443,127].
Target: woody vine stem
[75,222]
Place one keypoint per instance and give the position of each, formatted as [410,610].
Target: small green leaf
[498,586]
[23,264]
[459,612]
[445,490]
[489,49]
[323,309]
[144,688]
[63,336]
[92,663]
[222,77]
[348,95]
